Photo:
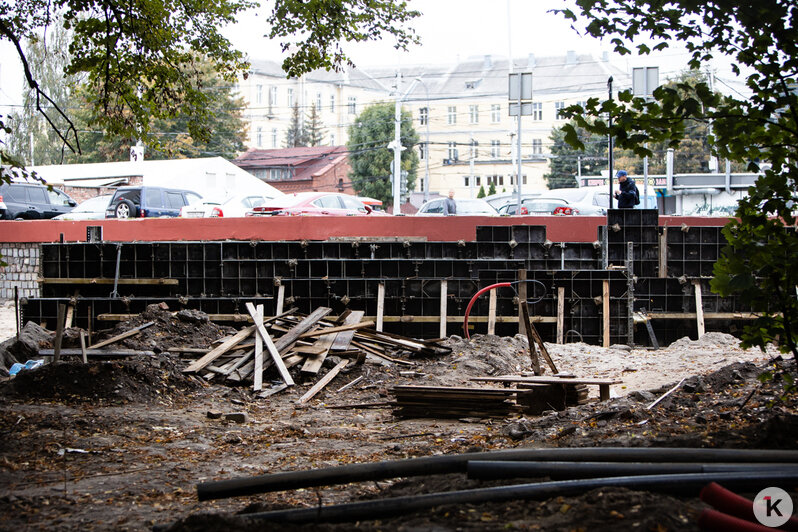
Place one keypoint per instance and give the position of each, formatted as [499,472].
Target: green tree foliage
[481,193]
[313,129]
[295,135]
[566,159]
[492,188]
[314,32]
[758,263]
[369,156]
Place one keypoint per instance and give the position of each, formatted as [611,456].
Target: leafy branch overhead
[313,31]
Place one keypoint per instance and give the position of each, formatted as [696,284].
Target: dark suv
[149,202]
[33,201]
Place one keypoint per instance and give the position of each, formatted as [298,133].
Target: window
[57,197]
[174,200]
[328,202]
[558,107]
[473,150]
[473,113]
[272,97]
[495,149]
[465,180]
[451,115]
[352,105]
[274,137]
[152,197]
[537,147]
[453,151]
[477,181]
[501,180]
[523,179]
[495,113]
[290,97]
[537,111]
[259,137]
[332,139]
[434,207]
[318,101]
[351,203]
[422,151]
[423,116]
[258,94]
[332,103]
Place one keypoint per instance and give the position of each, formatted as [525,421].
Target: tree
[314,130]
[371,159]
[566,159]
[295,135]
[481,193]
[757,264]
[492,188]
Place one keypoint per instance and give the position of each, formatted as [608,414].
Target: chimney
[530,61]
[570,58]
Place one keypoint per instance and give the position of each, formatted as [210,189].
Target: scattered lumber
[453,402]
[94,352]
[126,334]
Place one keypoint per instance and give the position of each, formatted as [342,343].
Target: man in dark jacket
[628,195]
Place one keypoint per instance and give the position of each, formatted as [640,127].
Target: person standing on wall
[449,205]
[628,196]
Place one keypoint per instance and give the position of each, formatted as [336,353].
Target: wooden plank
[280,299]
[336,330]
[699,309]
[59,332]
[219,350]
[530,339]
[380,305]
[70,311]
[547,380]
[385,319]
[663,253]
[285,341]
[102,280]
[707,316]
[126,334]
[605,298]
[91,352]
[522,297]
[379,354]
[258,378]
[323,382]
[271,391]
[492,312]
[313,362]
[542,346]
[83,346]
[270,346]
[349,384]
[444,300]
[560,314]
[343,339]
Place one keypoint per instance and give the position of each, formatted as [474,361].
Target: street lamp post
[426,145]
[609,177]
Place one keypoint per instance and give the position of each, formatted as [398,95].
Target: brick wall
[22,270]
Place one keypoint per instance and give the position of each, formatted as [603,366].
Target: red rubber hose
[730,503]
[714,521]
[473,299]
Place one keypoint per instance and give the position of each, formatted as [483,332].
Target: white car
[584,201]
[91,209]
[235,206]
[465,207]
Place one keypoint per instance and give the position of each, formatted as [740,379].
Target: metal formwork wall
[219,277]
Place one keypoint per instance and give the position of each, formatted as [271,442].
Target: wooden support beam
[126,334]
[444,300]
[270,346]
[521,297]
[91,352]
[492,312]
[59,332]
[258,378]
[83,346]
[560,314]
[542,346]
[102,280]
[533,354]
[380,305]
[280,299]
[334,330]
[219,350]
[289,338]
[385,319]
[707,316]
[324,381]
[699,309]
[605,298]
[663,253]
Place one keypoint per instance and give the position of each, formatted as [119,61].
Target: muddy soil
[121,445]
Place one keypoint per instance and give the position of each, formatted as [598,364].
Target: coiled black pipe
[494,470]
[431,465]
[684,484]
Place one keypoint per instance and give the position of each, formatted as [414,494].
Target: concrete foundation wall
[21,270]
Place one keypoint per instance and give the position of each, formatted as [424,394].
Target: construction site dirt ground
[121,445]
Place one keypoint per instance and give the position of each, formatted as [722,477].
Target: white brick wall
[22,270]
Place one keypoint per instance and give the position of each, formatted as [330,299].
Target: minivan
[33,201]
[143,201]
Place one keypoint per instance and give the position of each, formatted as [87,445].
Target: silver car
[465,207]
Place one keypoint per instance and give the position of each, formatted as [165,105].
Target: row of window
[268,96]
[274,140]
[495,113]
[453,152]
[495,180]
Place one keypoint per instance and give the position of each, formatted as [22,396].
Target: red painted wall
[277,228]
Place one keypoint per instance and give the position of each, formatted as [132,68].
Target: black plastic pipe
[493,470]
[684,485]
[432,465]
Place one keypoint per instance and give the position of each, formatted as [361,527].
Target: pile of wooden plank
[290,340]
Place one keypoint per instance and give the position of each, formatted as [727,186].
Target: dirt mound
[185,328]
[136,380]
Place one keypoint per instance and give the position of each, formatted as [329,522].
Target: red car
[313,204]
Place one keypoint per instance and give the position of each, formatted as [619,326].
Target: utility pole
[472,180]
[397,148]
[609,177]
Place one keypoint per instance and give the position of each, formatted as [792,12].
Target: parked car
[231,207]
[509,198]
[585,201]
[313,203]
[33,201]
[2,208]
[375,204]
[91,209]
[143,201]
[465,207]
